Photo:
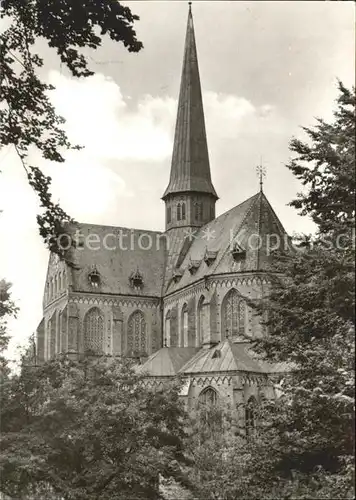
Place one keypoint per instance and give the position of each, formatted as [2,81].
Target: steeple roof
[190,169]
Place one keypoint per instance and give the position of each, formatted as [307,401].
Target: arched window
[94,331]
[51,289]
[198,211]
[208,400]
[201,325]
[179,211]
[64,279]
[136,333]
[233,315]
[169,214]
[183,211]
[167,332]
[208,397]
[184,326]
[250,416]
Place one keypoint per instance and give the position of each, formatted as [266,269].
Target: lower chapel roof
[227,356]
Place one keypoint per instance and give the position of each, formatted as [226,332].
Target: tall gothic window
[179,211]
[167,332]
[169,214]
[233,315]
[136,333]
[184,326]
[250,416]
[94,331]
[198,211]
[201,321]
[183,211]
[208,400]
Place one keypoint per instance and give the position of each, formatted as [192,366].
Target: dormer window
[94,278]
[136,280]
[210,257]
[177,274]
[238,253]
[216,354]
[193,266]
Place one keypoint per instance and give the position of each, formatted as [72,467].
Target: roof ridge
[117,227]
[248,210]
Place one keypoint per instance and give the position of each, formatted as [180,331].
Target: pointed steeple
[190,169]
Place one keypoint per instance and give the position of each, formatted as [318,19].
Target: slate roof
[231,357]
[116,252]
[254,216]
[167,361]
[190,169]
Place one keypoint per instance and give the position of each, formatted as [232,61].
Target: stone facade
[182,301]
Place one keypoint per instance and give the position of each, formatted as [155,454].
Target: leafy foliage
[312,318]
[90,429]
[326,167]
[7,309]
[304,444]
[28,118]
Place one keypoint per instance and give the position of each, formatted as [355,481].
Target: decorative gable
[237,252]
[209,257]
[94,278]
[136,280]
[193,266]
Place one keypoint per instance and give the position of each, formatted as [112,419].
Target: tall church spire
[190,169]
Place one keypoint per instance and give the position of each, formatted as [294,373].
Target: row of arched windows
[181,211]
[55,285]
[94,330]
[233,321]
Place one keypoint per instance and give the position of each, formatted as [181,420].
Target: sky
[266,69]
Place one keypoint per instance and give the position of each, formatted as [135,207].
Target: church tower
[190,196]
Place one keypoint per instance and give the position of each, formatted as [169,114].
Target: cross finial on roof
[261,172]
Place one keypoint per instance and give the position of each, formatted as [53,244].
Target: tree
[28,118]
[89,430]
[7,309]
[304,443]
[312,319]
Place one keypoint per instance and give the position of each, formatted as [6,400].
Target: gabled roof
[167,361]
[254,216]
[190,169]
[227,356]
[115,253]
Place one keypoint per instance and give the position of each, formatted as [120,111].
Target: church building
[182,301]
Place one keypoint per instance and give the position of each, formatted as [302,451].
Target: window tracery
[168,329]
[233,314]
[201,321]
[94,330]
[250,416]
[179,213]
[136,333]
[208,400]
[183,211]
[185,325]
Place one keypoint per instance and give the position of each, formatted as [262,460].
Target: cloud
[100,118]
[126,142]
